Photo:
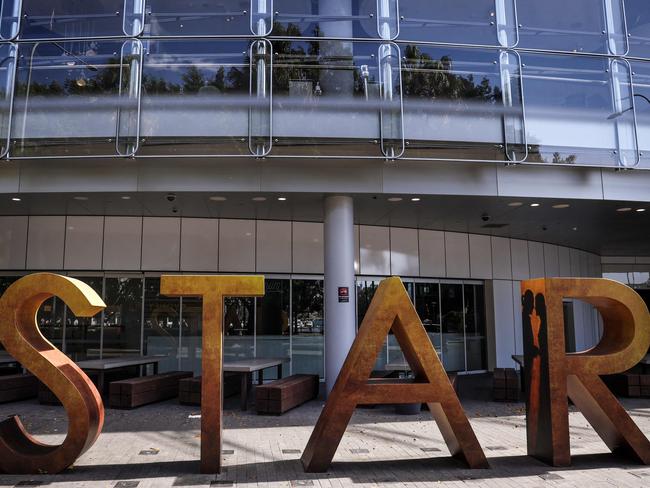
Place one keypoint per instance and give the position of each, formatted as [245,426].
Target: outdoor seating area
[189,389]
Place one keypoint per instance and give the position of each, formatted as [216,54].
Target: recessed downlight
[259,199]
[640,210]
[624,209]
[282,199]
[535,205]
[79,198]
[218,198]
[515,204]
[125,197]
[395,199]
[16,199]
[415,199]
[561,205]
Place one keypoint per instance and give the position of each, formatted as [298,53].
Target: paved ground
[158,446]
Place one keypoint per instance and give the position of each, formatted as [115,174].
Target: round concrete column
[340,292]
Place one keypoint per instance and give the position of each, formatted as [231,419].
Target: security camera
[486,217]
[174,210]
[544,228]
[171,197]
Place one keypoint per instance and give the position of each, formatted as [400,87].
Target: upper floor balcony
[472,80]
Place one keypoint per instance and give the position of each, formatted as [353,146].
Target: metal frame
[19,7]
[383,94]
[523,111]
[11,85]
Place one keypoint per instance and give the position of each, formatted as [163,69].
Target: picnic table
[246,368]
[101,366]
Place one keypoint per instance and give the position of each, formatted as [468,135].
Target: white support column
[340,315]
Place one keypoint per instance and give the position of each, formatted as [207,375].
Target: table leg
[155,368]
[280,371]
[244,391]
[260,377]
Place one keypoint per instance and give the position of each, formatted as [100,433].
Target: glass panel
[580,88]
[641,81]
[307,327]
[506,20]
[197,96]
[616,30]
[9,19]
[50,319]
[128,109]
[395,354]
[365,292]
[427,304]
[387,19]
[7,70]
[239,329]
[475,336]
[325,18]
[623,114]
[191,334]
[70,96]
[161,325]
[330,89]
[637,14]
[6,282]
[262,17]
[453,103]
[272,328]
[122,317]
[453,343]
[392,125]
[198,18]
[514,123]
[558,25]
[452,21]
[54,19]
[260,93]
[83,334]
[133,23]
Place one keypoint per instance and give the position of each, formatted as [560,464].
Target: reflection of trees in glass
[194,80]
[83,79]
[425,77]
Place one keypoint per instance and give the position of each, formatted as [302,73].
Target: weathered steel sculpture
[20,453]
[553,374]
[391,307]
[213,290]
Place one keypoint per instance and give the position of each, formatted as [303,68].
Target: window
[83,334]
[307,327]
[272,338]
[161,332]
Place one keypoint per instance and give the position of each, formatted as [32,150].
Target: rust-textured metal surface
[391,307]
[213,290]
[20,453]
[553,375]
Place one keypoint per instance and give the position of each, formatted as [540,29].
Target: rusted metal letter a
[392,308]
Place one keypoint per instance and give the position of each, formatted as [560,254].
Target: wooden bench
[282,395]
[629,384]
[505,385]
[189,389]
[17,387]
[136,392]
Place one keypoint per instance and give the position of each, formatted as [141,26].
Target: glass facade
[287,322]
[515,81]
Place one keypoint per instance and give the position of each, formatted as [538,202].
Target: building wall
[153,244]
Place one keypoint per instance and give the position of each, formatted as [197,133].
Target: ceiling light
[415,199]
[561,205]
[624,209]
[80,199]
[259,199]
[574,229]
[218,199]
[395,199]
[535,204]
[282,199]
[126,197]
[515,204]
[640,209]
[16,199]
